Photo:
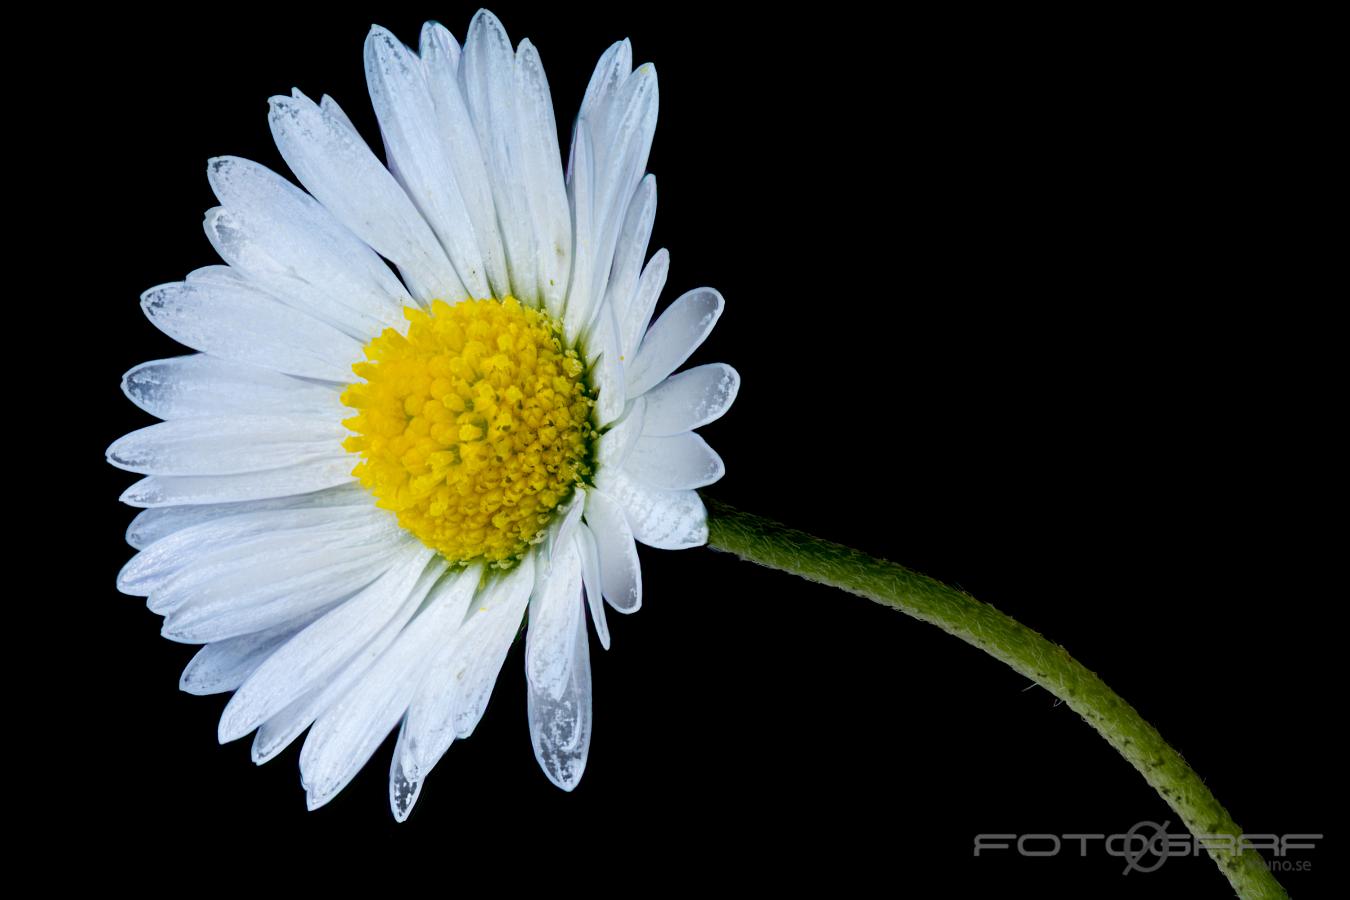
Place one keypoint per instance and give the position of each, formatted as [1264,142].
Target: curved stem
[770,544]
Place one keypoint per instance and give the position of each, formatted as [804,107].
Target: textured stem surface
[770,544]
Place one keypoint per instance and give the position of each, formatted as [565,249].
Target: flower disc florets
[473,427]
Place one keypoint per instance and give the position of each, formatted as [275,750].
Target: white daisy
[364,482]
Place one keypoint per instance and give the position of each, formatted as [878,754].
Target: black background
[990,324]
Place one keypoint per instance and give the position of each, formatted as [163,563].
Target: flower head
[367,477]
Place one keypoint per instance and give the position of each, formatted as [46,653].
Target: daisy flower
[368,478]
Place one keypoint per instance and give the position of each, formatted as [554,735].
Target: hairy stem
[770,544]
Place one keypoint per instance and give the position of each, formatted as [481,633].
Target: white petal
[187,595]
[170,490]
[555,608]
[631,249]
[674,463]
[277,733]
[343,175]
[487,74]
[151,525]
[667,520]
[557,668]
[622,139]
[149,569]
[541,171]
[436,38]
[484,648]
[618,441]
[590,573]
[407,114]
[224,665]
[581,293]
[612,70]
[607,370]
[330,107]
[226,601]
[293,236]
[639,311]
[690,399]
[404,789]
[174,569]
[349,731]
[677,334]
[560,536]
[324,647]
[201,385]
[238,243]
[227,445]
[220,314]
[620,571]
[440,59]
[455,690]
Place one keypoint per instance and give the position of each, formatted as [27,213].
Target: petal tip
[136,495]
[232,725]
[403,793]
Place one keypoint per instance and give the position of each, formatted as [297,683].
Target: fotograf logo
[1147,845]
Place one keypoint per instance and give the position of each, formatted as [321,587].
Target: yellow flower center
[473,427]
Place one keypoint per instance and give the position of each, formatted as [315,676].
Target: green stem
[770,544]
